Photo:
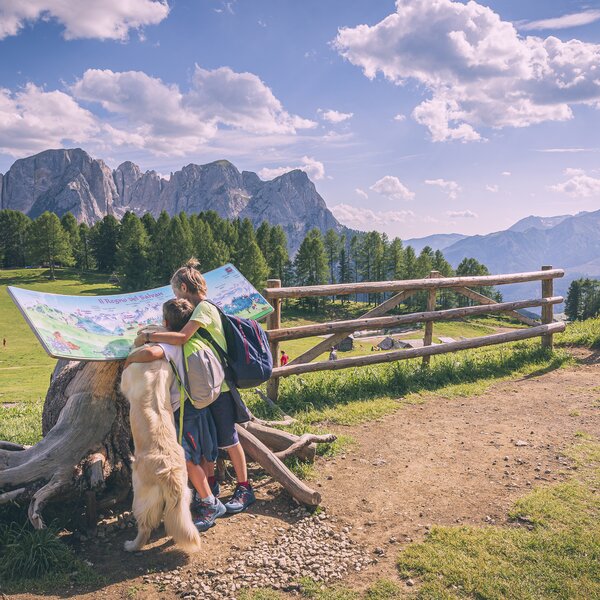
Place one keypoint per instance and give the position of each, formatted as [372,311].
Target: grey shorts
[227,410]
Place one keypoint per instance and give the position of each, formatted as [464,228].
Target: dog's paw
[130,546]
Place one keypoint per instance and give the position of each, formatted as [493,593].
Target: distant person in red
[284,359]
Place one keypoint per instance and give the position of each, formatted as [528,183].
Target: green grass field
[25,367]
[556,556]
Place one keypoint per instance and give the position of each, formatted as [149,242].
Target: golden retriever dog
[160,489]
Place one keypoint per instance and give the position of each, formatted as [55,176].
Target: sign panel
[104,327]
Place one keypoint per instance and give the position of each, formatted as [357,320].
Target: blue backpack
[248,361]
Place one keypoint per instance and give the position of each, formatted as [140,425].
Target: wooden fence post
[274,322]
[431,298]
[547,309]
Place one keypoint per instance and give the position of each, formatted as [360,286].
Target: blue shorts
[199,433]
[227,410]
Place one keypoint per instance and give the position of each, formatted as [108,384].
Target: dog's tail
[178,522]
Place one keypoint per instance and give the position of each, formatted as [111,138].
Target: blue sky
[411,117]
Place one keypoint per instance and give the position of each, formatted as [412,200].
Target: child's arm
[145,354]
[175,338]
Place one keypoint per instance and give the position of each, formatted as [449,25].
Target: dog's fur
[160,489]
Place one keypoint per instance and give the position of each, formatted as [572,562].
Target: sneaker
[207,514]
[242,498]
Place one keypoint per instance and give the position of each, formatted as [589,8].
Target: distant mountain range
[570,242]
[70,180]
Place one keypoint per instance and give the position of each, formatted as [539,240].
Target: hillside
[70,180]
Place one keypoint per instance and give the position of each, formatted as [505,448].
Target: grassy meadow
[344,397]
[555,555]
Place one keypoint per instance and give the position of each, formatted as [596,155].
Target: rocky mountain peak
[70,180]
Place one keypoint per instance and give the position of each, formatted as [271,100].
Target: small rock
[410,582]
[521,443]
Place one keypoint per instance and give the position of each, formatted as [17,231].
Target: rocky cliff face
[61,181]
[72,181]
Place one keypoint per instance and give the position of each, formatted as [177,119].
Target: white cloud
[566,150]
[391,187]
[579,185]
[100,19]
[313,168]
[365,218]
[563,22]
[506,173]
[492,188]
[461,214]
[362,193]
[400,117]
[478,70]
[147,113]
[334,116]
[33,119]
[450,187]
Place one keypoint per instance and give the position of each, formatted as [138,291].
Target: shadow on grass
[317,391]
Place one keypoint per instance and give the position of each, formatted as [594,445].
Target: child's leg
[238,460]
[198,478]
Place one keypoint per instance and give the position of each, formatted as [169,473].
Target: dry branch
[303,441]
[258,452]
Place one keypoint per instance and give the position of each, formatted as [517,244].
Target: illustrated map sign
[104,327]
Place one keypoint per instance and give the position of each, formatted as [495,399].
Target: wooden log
[279,440]
[547,312]
[341,289]
[380,309]
[259,453]
[359,361]
[302,331]
[431,299]
[481,299]
[303,441]
[274,322]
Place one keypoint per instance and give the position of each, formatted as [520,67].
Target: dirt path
[447,461]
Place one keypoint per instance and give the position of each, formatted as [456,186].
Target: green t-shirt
[207,316]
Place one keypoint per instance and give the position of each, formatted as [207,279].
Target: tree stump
[86,452]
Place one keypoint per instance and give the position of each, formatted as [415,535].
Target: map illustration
[104,327]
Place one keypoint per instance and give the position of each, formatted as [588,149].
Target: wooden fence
[373,319]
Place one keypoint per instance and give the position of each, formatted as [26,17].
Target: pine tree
[158,252]
[332,248]
[278,253]
[133,255]
[446,298]
[573,301]
[310,264]
[178,246]
[69,224]
[149,223]
[395,260]
[248,256]
[263,239]
[13,235]
[48,242]
[105,239]
[86,258]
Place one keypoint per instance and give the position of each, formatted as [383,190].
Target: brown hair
[192,277]
[177,313]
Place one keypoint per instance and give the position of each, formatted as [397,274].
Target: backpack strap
[203,333]
[182,396]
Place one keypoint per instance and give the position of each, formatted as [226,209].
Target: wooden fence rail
[403,289]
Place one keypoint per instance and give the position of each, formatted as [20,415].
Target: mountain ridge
[70,180]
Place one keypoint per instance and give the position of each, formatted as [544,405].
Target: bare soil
[447,461]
